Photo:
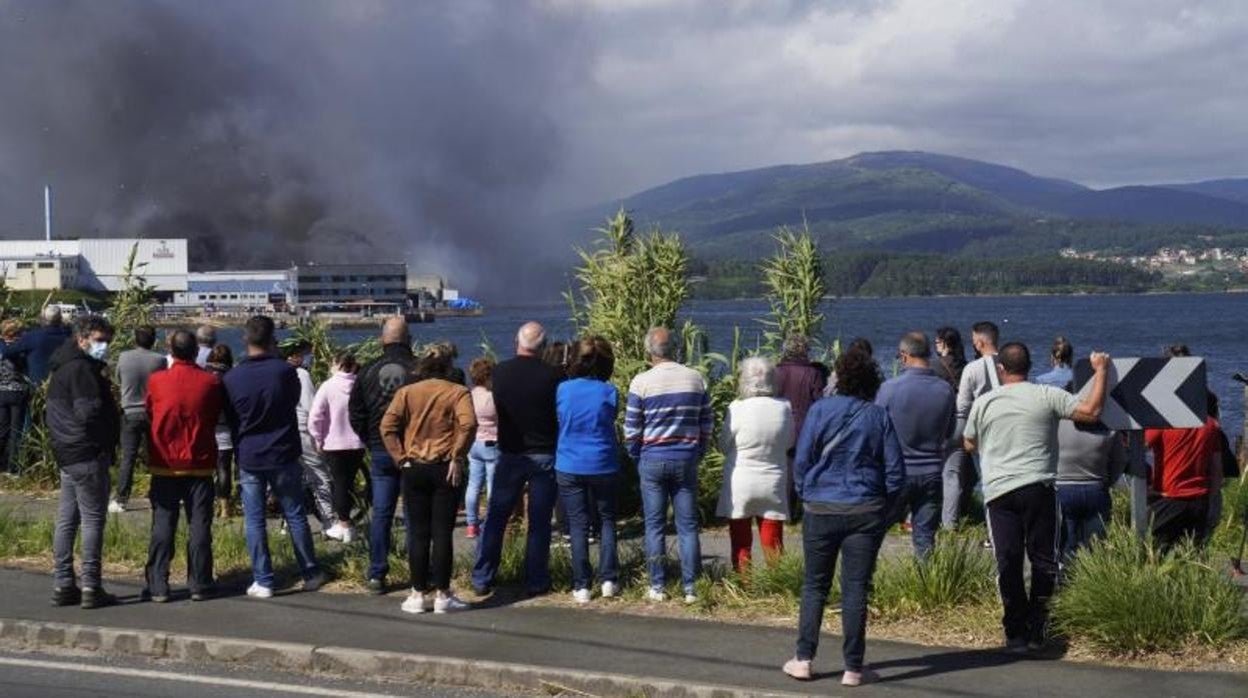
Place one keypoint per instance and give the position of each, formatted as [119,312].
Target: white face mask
[98,350]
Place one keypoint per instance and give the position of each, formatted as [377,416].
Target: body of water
[1126,325]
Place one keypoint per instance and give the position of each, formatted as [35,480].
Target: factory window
[25,265]
[46,265]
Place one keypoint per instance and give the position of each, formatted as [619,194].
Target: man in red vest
[183,404]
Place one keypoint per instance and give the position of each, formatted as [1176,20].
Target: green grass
[1122,596]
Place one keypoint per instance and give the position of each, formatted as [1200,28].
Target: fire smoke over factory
[282,130]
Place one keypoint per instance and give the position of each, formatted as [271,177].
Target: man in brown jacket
[428,430]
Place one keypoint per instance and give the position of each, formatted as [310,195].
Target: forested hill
[929,214]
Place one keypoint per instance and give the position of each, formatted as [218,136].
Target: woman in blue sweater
[587,462]
[848,470]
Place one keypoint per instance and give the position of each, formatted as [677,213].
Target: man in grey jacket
[133,368]
[979,376]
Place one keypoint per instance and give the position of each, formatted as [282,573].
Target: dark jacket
[921,407]
[848,453]
[36,347]
[262,394]
[801,383]
[81,411]
[374,389]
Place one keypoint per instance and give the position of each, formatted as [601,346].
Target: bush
[958,572]
[1123,596]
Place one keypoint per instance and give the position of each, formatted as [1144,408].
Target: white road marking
[189,678]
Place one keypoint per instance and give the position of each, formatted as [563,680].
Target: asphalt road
[42,675]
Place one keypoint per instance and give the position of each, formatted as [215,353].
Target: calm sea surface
[1212,325]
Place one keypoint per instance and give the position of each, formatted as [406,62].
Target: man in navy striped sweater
[667,427]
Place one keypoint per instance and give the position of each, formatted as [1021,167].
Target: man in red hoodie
[183,404]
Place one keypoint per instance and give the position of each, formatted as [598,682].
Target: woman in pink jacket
[329,424]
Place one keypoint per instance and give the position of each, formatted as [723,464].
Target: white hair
[52,314]
[660,349]
[756,378]
[531,337]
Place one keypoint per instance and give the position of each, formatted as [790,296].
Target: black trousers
[343,465]
[1176,519]
[430,503]
[168,495]
[1021,521]
[134,428]
[12,422]
[225,473]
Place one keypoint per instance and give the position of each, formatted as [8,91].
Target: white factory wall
[104,260]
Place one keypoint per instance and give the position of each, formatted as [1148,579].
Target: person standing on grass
[667,427]
[81,416]
[183,405]
[921,406]
[528,430]
[757,437]
[374,389]
[1062,374]
[219,362]
[262,396]
[14,400]
[978,377]
[1089,461]
[850,471]
[483,457]
[587,463]
[317,477]
[329,423]
[801,382]
[1014,429]
[134,367]
[36,347]
[428,430]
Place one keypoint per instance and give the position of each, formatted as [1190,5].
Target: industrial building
[237,289]
[341,284]
[93,264]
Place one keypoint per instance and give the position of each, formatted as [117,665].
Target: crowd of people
[841,449]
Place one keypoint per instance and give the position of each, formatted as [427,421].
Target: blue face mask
[307,361]
[98,350]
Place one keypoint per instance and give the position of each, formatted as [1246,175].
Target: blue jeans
[1085,510]
[921,498]
[287,485]
[386,488]
[675,480]
[857,539]
[481,462]
[510,476]
[576,492]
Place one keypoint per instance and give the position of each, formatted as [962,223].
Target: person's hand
[1099,361]
[453,474]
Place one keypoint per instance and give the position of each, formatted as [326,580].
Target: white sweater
[757,435]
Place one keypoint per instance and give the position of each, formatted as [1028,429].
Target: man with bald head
[371,394]
[524,395]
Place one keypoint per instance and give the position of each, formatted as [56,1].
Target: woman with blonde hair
[757,435]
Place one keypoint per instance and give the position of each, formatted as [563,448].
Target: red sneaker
[472,531]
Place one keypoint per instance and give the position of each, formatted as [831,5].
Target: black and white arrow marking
[1151,393]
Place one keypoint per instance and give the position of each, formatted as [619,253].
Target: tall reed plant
[793,284]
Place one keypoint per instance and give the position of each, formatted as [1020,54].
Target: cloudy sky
[1105,92]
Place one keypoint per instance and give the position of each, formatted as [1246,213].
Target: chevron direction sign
[1150,393]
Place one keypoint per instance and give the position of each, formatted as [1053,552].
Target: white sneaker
[581,596]
[446,604]
[115,507]
[610,589]
[340,533]
[260,592]
[415,603]
[656,595]
[690,599]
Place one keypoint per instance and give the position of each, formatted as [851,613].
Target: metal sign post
[1144,394]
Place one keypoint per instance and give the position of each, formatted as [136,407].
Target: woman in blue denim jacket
[848,469]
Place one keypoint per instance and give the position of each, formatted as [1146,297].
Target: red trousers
[741,535]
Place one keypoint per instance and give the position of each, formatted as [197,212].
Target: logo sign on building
[163,252]
[1151,393]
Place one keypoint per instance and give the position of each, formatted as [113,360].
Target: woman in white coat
[757,435]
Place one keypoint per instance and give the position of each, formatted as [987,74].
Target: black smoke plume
[277,131]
